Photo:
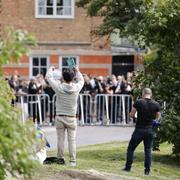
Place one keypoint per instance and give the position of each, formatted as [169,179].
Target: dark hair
[68,75]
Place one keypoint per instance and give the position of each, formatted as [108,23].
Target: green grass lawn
[110,158]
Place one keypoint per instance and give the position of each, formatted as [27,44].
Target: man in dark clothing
[33,90]
[100,89]
[50,92]
[147,110]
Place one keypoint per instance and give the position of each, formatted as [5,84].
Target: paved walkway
[89,135]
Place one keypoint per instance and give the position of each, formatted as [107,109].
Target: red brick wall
[101,65]
[21,14]
[22,71]
[96,59]
[95,65]
[24,59]
[54,59]
[95,71]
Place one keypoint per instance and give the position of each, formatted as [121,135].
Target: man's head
[33,79]
[68,76]
[100,78]
[147,93]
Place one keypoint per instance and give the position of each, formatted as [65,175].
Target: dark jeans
[139,135]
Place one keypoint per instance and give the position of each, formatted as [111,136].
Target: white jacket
[66,94]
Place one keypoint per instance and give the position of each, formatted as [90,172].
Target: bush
[162,76]
[16,138]
[170,130]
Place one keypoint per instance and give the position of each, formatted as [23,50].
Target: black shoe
[127,169]
[60,161]
[50,160]
[146,173]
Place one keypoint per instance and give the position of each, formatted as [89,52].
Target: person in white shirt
[66,106]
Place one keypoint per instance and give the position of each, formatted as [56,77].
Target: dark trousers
[139,135]
[100,108]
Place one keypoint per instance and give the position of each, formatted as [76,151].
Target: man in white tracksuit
[66,106]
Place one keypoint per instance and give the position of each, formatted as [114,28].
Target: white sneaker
[72,164]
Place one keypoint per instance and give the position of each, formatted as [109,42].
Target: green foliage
[162,75]
[146,21]
[170,130]
[115,13]
[14,46]
[157,24]
[16,138]
[152,24]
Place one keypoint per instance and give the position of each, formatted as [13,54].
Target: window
[54,8]
[39,65]
[63,62]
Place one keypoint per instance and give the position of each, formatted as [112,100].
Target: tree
[162,75]
[115,13]
[159,29]
[16,138]
[153,25]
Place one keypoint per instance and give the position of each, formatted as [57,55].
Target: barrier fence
[101,109]
[36,107]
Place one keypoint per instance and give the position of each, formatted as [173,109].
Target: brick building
[62,30]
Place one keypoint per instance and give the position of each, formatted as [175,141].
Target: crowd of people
[93,86]
[108,85]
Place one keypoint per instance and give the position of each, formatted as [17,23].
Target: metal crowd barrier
[36,107]
[113,109]
[103,109]
[85,110]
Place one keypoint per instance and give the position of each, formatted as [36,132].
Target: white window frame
[31,63]
[54,11]
[67,56]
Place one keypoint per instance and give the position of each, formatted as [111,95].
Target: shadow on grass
[166,159]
